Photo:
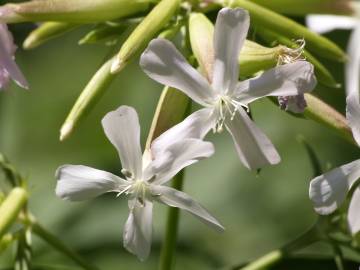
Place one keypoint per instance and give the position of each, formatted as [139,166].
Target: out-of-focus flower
[8,67]
[143,181]
[225,99]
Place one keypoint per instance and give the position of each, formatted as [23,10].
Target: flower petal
[285,80]
[196,126]
[252,145]
[176,157]
[138,229]
[353,212]
[123,130]
[77,182]
[7,49]
[231,28]
[175,198]
[352,66]
[328,191]
[295,104]
[162,62]
[353,115]
[326,23]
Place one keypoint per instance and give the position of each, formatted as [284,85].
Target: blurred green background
[260,213]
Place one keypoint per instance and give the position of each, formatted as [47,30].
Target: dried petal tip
[290,55]
[295,104]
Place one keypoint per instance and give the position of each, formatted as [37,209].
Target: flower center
[136,188]
[225,107]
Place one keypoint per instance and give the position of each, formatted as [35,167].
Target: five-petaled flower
[144,177]
[8,67]
[328,191]
[226,99]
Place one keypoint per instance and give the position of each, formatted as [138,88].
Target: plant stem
[277,255]
[55,242]
[169,245]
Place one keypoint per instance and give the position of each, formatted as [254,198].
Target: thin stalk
[275,256]
[56,243]
[172,224]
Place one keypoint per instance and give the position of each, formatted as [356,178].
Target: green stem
[55,242]
[169,245]
[277,255]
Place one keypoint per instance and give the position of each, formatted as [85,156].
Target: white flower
[225,99]
[8,67]
[144,178]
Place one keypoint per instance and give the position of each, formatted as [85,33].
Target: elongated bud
[324,114]
[74,11]
[92,92]
[323,75]
[46,32]
[262,17]
[305,7]
[144,32]
[252,58]
[11,207]
[170,110]
[103,33]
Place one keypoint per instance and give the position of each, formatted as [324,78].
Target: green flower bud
[304,7]
[252,58]
[171,109]
[11,207]
[262,17]
[74,11]
[104,33]
[46,32]
[144,32]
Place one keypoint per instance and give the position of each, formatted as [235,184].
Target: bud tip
[117,65]
[65,130]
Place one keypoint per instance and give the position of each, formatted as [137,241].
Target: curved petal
[231,28]
[353,116]
[352,66]
[285,80]
[175,198]
[353,212]
[326,23]
[7,49]
[162,62]
[123,130]
[328,191]
[138,229]
[196,126]
[176,157]
[252,145]
[77,182]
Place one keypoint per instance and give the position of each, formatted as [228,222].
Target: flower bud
[262,17]
[46,32]
[11,207]
[144,32]
[252,58]
[74,11]
[304,7]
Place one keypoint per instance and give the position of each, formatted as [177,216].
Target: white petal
[7,62]
[176,157]
[285,80]
[162,62]
[253,146]
[354,213]
[353,116]
[230,33]
[352,66]
[175,198]
[326,23]
[328,191]
[77,182]
[123,130]
[196,125]
[138,230]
